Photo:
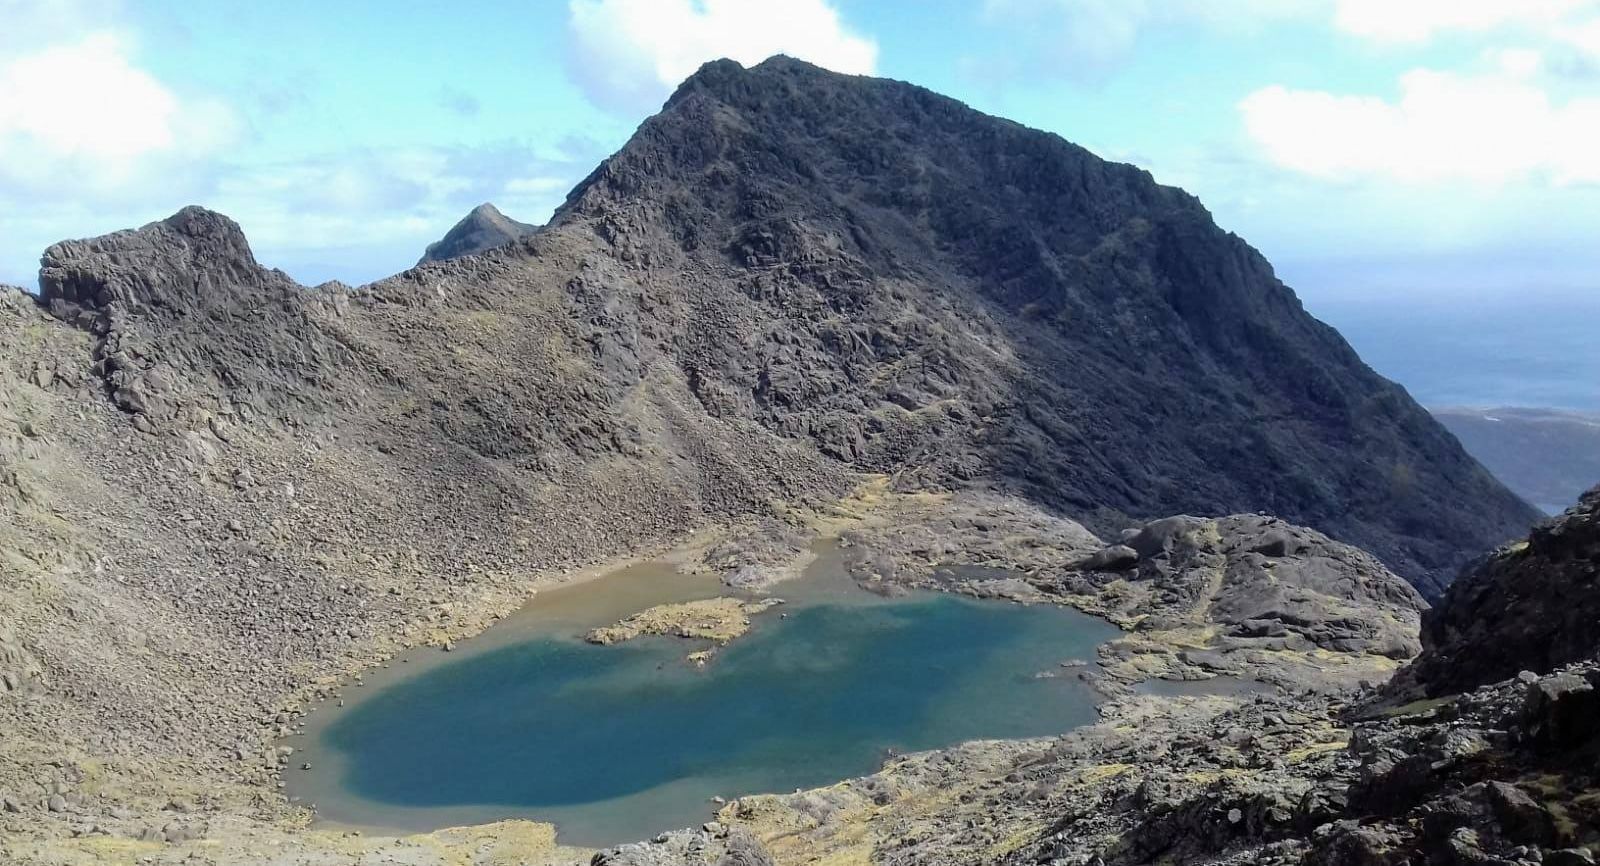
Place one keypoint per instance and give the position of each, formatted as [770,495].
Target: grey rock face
[926,290]
[484,228]
[190,327]
[1533,605]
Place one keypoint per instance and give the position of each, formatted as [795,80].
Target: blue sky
[1368,147]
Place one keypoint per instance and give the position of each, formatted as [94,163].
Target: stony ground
[1503,772]
[1241,596]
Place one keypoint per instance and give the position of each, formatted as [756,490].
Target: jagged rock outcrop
[1240,596]
[483,228]
[1529,606]
[193,332]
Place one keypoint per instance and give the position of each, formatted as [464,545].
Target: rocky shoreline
[869,514]
[1502,772]
[1199,598]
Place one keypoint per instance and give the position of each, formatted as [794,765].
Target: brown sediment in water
[570,610]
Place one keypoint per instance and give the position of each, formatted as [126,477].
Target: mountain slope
[483,228]
[927,290]
[905,284]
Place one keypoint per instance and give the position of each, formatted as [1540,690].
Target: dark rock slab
[1533,605]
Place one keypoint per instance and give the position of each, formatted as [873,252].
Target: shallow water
[622,742]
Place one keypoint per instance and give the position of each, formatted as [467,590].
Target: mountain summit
[483,228]
[926,290]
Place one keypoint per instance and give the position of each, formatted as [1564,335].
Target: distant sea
[1533,349]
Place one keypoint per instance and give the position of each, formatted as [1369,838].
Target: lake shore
[891,542]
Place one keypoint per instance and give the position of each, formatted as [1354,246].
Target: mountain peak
[1101,287]
[718,76]
[483,228]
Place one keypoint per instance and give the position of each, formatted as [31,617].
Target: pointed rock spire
[484,228]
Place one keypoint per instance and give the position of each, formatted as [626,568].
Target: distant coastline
[1547,456]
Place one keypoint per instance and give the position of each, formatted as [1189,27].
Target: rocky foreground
[1449,765]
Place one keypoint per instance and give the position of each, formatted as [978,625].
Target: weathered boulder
[1117,557]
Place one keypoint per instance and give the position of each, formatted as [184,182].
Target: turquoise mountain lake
[618,743]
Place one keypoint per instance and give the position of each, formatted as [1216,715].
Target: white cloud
[629,54]
[1584,36]
[81,116]
[1411,21]
[1080,38]
[1087,39]
[1494,128]
[1509,120]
